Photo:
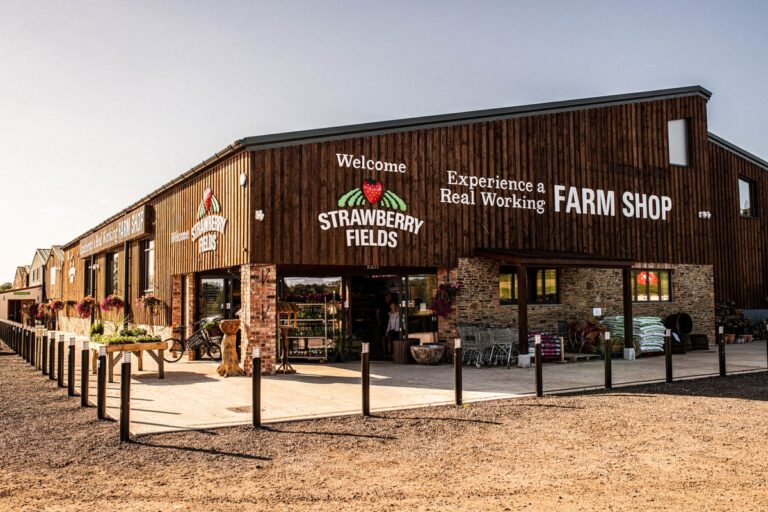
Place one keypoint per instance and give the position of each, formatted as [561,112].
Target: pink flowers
[85,307]
[444,297]
[148,301]
[55,305]
[112,303]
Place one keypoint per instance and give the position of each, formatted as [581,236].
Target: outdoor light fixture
[243,179]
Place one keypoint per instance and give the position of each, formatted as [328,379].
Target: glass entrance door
[218,296]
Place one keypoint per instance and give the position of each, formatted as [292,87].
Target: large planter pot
[427,354]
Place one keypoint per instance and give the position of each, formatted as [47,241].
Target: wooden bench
[154,349]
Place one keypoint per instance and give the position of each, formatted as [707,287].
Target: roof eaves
[733,148]
[217,157]
[415,123]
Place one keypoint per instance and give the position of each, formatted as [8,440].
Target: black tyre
[214,352]
[173,351]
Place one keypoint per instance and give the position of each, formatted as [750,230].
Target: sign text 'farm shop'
[500,192]
[371,215]
[128,227]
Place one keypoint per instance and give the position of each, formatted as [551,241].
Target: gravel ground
[693,445]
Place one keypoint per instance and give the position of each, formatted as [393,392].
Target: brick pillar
[446,326]
[258,315]
[176,304]
[191,306]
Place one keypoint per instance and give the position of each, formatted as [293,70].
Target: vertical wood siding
[619,148]
[741,258]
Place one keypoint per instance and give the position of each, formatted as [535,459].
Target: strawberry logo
[209,204]
[372,190]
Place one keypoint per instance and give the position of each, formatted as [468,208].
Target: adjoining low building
[616,205]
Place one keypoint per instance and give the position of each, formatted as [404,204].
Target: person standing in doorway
[393,328]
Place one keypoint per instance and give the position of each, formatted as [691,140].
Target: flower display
[444,297]
[55,305]
[148,301]
[112,303]
[85,307]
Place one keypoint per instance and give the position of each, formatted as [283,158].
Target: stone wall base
[582,289]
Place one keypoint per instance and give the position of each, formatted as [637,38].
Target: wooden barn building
[540,213]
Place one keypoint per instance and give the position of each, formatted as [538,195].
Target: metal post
[539,370]
[608,360]
[125,398]
[457,384]
[71,368]
[256,387]
[33,347]
[60,361]
[44,355]
[721,349]
[366,370]
[668,354]
[52,357]
[84,374]
[101,384]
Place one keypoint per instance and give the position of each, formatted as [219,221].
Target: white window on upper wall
[677,135]
[53,276]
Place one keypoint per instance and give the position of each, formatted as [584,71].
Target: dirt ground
[693,445]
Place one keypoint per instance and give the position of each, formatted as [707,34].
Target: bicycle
[198,340]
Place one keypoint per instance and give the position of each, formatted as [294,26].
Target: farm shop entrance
[341,308]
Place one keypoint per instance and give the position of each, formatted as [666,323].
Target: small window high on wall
[747,198]
[677,135]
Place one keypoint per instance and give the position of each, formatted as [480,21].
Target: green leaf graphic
[349,197]
[395,200]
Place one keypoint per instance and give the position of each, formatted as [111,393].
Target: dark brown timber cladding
[177,212]
[617,148]
[741,258]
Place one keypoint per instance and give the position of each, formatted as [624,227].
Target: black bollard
[608,360]
[71,368]
[721,349]
[44,355]
[84,375]
[668,354]
[366,378]
[101,384]
[125,398]
[256,387]
[60,362]
[539,369]
[52,356]
[457,384]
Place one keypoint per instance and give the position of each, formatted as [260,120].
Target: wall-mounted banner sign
[128,227]
[209,224]
[371,214]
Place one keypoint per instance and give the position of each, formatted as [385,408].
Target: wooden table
[154,349]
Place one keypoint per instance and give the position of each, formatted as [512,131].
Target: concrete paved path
[194,396]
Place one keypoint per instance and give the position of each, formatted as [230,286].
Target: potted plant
[85,307]
[113,306]
[151,305]
[444,298]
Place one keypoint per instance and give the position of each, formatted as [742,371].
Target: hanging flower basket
[55,305]
[85,307]
[112,303]
[444,297]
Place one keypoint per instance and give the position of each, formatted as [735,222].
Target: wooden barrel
[402,351]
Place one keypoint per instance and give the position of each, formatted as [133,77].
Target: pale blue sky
[101,102]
